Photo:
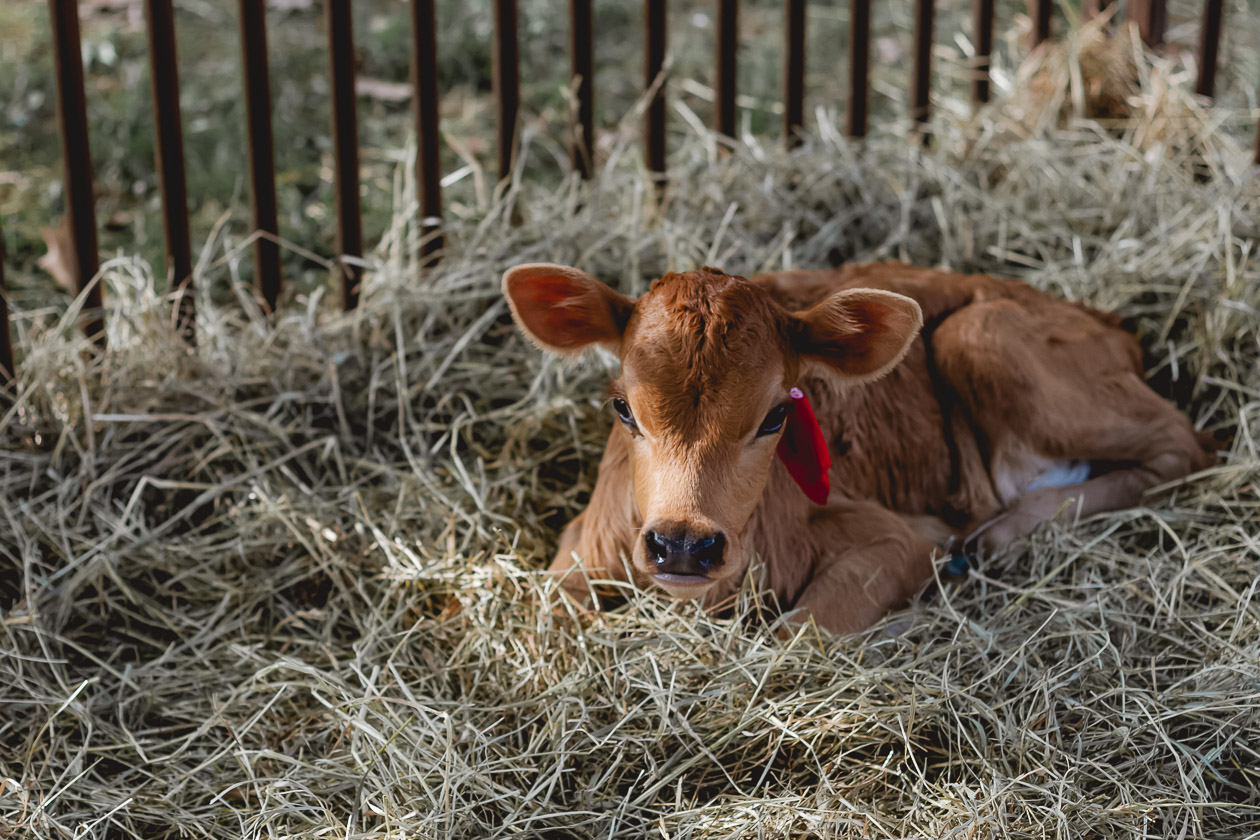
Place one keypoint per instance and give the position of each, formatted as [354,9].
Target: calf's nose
[675,552]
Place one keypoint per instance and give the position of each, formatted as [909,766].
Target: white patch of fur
[1063,474]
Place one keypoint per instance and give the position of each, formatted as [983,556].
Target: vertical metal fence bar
[77,157]
[1151,17]
[654,61]
[172,183]
[982,29]
[7,371]
[794,71]
[859,65]
[921,83]
[1039,13]
[425,105]
[1209,46]
[507,82]
[582,69]
[345,128]
[262,153]
[727,47]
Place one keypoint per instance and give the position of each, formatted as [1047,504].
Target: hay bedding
[288,587]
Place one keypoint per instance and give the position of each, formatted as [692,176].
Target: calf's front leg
[604,532]
[867,561]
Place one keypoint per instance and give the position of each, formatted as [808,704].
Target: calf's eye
[623,411]
[774,421]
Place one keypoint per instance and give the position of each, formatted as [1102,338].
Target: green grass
[122,140]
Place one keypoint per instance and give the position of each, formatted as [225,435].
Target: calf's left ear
[862,333]
[564,309]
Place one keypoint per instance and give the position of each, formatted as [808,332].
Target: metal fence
[1150,16]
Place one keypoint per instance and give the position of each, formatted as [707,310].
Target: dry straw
[288,587]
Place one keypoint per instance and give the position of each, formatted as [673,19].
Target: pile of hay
[1101,71]
[288,586]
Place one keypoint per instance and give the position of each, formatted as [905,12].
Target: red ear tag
[804,449]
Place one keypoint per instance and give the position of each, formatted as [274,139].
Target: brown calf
[954,408]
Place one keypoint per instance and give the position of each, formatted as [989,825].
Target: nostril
[709,550]
[680,554]
[656,547]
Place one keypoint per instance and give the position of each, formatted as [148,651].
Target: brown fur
[1002,383]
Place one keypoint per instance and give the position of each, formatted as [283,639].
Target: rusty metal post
[653,62]
[921,83]
[727,47]
[1209,46]
[7,371]
[345,119]
[1039,13]
[1151,17]
[794,71]
[582,71]
[425,105]
[172,183]
[859,65]
[982,27]
[507,83]
[77,159]
[262,153]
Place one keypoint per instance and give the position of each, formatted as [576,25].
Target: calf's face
[707,361]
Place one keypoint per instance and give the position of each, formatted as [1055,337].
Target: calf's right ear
[565,310]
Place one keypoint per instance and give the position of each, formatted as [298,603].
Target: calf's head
[707,361]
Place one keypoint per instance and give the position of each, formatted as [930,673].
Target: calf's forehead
[703,349]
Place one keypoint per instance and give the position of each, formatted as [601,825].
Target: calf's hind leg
[1115,490]
[1056,386]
